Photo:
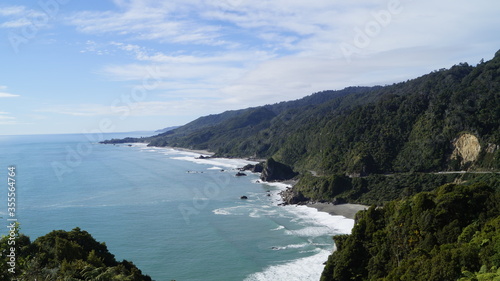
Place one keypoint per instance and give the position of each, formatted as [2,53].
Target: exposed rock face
[467,148]
[257,168]
[275,171]
[291,196]
[492,148]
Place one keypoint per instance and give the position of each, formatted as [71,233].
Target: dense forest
[62,256]
[445,120]
[379,189]
[451,233]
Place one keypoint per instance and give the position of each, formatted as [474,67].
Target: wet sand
[346,210]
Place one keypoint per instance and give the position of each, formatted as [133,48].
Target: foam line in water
[308,268]
[292,246]
[215,168]
[221,212]
[228,163]
[280,227]
[323,221]
[279,185]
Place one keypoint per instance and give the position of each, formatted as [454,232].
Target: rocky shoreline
[338,208]
[272,171]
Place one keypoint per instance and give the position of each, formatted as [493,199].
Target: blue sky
[70,66]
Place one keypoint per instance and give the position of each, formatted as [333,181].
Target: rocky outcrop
[290,196]
[492,148]
[203,157]
[466,149]
[275,171]
[257,168]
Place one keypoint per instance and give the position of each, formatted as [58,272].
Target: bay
[176,217]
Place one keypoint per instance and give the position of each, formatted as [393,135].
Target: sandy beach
[346,210]
[201,152]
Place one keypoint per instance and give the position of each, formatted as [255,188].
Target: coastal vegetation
[378,189]
[63,256]
[450,233]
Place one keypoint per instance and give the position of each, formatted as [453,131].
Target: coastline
[347,210]
[202,152]
[322,217]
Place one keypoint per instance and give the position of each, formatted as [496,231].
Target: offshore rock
[275,171]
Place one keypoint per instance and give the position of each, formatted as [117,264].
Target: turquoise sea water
[174,216]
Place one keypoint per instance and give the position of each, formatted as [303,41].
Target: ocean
[174,216]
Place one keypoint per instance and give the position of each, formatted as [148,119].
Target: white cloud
[12,10]
[133,109]
[244,53]
[6,119]
[78,110]
[145,21]
[304,28]
[20,16]
[16,23]
[7,95]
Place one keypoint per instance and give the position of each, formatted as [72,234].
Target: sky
[73,66]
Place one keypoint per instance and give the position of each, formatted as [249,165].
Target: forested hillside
[445,120]
[452,233]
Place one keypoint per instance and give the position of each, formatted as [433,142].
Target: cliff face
[275,171]
[466,149]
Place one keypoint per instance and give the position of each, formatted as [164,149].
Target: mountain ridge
[404,127]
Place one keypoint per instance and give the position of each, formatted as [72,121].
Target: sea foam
[314,223]
[227,163]
[308,268]
[326,223]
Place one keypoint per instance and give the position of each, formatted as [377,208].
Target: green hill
[62,255]
[412,126]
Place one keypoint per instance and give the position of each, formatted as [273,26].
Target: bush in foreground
[63,255]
